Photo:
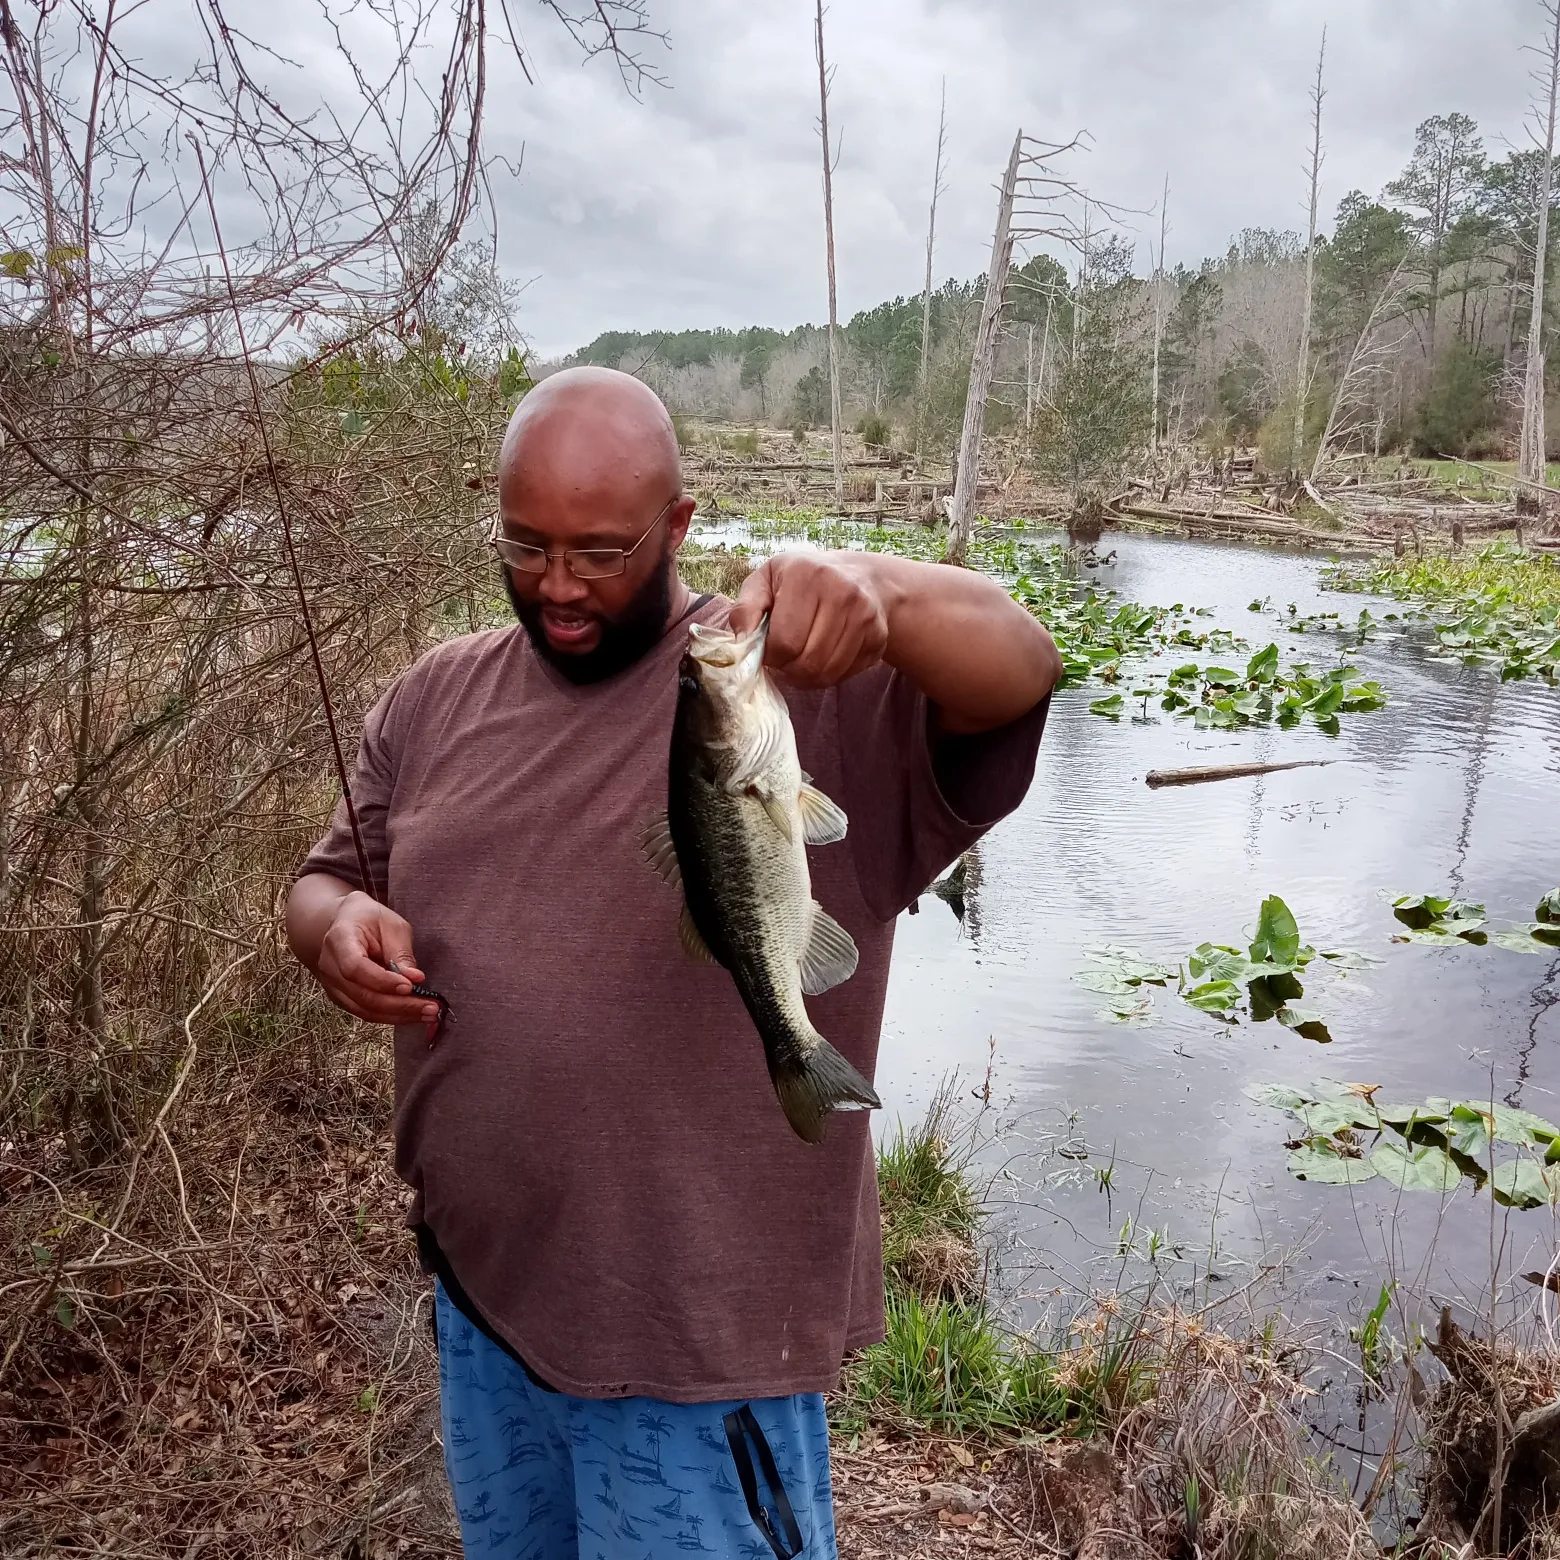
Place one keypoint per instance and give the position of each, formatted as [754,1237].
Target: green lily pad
[1279,1095]
[1214,996]
[1415,1168]
[1326,1118]
[1305,1022]
[1215,961]
[1520,1183]
[1321,1161]
[1277,939]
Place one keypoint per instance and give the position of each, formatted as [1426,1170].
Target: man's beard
[635,630]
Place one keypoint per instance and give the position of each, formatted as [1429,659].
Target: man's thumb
[395,942]
[753,601]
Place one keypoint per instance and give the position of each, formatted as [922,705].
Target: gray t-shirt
[594,1142]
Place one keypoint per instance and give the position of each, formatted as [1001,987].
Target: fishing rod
[365,871]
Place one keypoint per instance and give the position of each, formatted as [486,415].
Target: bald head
[590,436]
[588,469]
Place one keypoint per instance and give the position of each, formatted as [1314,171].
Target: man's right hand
[349,941]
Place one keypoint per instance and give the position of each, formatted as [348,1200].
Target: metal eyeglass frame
[511,551]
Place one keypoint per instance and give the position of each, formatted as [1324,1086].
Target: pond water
[1452,786]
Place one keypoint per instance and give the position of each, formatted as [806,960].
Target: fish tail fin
[811,1086]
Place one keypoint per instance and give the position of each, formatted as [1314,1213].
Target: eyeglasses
[585,563]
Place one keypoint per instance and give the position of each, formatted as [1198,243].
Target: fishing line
[365,871]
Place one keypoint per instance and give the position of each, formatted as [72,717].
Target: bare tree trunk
[1029,380]
[828,229]
[1045,349]
[1360,360]
[1159,324]
[983,363]
[1530,458]
[1303,368]
[923,382]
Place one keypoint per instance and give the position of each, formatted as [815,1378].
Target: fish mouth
[711,646]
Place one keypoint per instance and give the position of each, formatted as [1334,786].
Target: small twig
[181,1076]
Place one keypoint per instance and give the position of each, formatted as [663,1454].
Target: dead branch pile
[1492,1481]
[1231,496]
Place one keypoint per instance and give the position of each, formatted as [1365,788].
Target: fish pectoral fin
[688,935]
[830,956]
[776,810]
[823,822]
[659,850]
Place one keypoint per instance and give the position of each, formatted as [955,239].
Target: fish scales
[740,815]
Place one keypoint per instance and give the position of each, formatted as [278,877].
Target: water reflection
[1451,786]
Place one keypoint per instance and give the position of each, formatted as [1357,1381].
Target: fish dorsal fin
[822,821]
[763,747]
[659,850]
[830,956]
[688,935]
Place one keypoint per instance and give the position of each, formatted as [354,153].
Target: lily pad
[1321,1161]
[1214,996]
[1326,1118]
[1415,1168]
[1438,918]
[1520,1183]
[1277,939]
[1279,1095]
[1217,962]
[1305,1023]
[1345,959]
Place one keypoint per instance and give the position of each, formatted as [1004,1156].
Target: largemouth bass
[740,815]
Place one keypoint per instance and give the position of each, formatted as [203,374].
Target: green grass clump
[930,1213]
[948,1365]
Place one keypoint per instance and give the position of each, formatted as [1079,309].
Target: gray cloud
[699,205]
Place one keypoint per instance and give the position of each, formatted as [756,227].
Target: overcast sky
[699,203]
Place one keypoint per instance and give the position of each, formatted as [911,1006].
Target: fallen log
[1199,775]
[1238,525]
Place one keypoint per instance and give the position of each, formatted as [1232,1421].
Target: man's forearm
[311,907]
[976,654]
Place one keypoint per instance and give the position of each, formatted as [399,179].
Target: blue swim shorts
[541,1475]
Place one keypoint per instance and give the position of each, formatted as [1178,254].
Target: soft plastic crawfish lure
[428,994]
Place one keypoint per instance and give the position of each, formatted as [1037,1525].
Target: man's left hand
[828,615]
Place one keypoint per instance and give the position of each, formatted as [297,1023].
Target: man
[645,1281]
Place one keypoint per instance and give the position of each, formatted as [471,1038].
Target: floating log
[1197,776]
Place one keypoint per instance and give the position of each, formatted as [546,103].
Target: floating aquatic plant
[1347,1136]
[1541,934]
[1262,982]
[1499,607]
[1439,919]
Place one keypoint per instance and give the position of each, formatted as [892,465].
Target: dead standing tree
[1370,364]
[1030,206]
[1159,315]
[1531,458]
[923,380]
[828,230]
[1303,363]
